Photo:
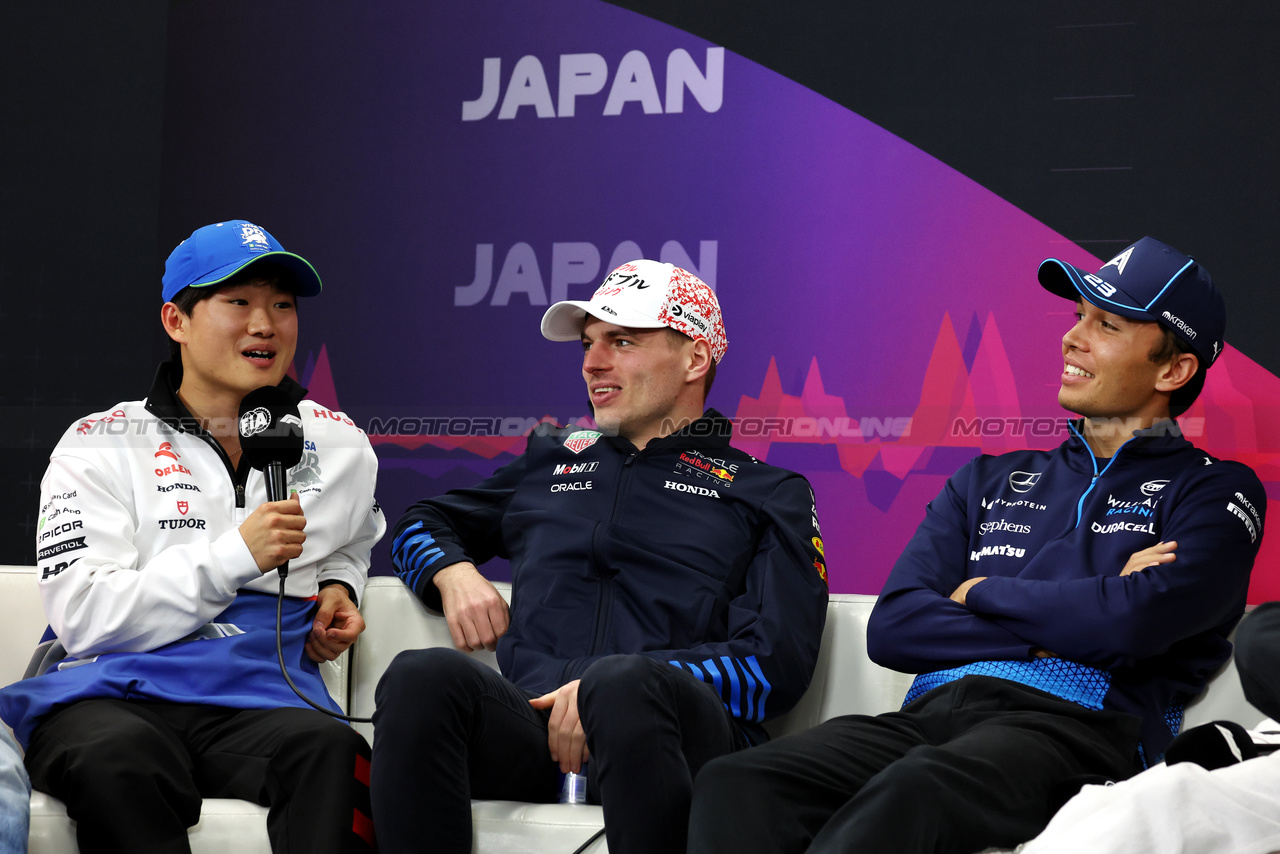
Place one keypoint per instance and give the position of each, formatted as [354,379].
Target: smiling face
[643,383]
[233,342]
[1107,369]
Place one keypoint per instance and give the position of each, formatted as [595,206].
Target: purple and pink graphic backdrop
[865,285]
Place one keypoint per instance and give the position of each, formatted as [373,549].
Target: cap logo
[1119,261]
[1217,345]
[253,236]
[1186,330]
[690,317]
[1099,285]
[617,281]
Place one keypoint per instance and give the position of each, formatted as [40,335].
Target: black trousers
[1258,658]
[971,764]
[449,729]
[133,774]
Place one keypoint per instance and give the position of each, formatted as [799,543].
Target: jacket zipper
[605,598]
[1096,474]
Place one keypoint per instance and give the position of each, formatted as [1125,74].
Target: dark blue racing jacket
[1051,531]
[689,551]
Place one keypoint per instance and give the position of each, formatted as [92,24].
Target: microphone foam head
[270,428]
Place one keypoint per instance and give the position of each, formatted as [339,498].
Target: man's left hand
[565,737]
[337,624]
[963,590]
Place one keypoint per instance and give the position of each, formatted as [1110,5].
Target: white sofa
[846,682]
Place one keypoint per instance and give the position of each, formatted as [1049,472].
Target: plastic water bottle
[573,787]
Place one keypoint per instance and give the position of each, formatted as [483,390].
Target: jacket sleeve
[1114,621]
[775,624]
[915,626]
[461,525]
[97,595]
[349,563]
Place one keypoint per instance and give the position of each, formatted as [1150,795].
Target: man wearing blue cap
[158,684]
[1060,607]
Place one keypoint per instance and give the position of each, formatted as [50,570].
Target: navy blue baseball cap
[1154,282]
[215,253]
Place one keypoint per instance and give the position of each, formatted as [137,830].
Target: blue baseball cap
[215,253]
[1150,281]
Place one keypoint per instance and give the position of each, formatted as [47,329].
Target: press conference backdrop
[452,169]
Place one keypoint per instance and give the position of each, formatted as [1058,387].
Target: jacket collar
[712,430]
[164,403]
[1159,439]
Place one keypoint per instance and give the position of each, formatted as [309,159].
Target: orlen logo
[1151,487]
[583,75]
[1022,481]
[571,264]
[166,450]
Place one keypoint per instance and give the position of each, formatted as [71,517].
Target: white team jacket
[137,541]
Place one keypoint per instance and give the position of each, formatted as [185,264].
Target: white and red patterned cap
[645,295]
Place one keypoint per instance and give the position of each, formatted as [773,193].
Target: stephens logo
[1002,526]
[166,450]
[579,440]
[1022,481]
[1151,487]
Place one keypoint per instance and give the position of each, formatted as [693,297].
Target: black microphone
[271,439]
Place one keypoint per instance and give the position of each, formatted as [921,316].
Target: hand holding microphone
[272,442]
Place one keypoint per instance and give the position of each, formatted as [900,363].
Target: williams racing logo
[719,472]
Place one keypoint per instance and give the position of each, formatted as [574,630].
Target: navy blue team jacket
[1051,531]
[689,551]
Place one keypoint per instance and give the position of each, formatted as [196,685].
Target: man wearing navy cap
[157,552]
[1060,607]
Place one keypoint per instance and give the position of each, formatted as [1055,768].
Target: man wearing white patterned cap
[669,593]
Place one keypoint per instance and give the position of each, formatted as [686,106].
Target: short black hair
[188,298]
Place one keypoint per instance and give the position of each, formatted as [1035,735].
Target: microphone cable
[284,672]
